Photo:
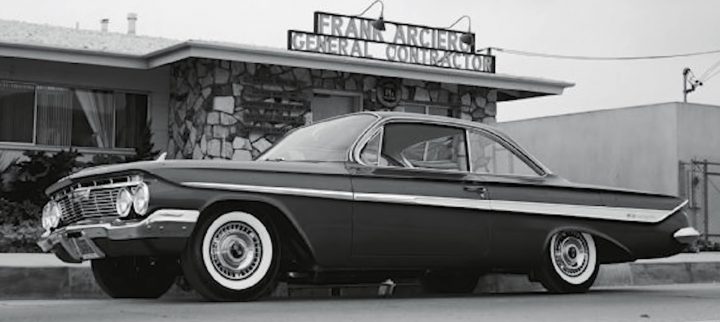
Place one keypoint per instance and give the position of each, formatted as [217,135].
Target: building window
[62,116]
[327,104]
[430,109]
[16,112]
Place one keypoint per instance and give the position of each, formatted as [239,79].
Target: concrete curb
[45,281]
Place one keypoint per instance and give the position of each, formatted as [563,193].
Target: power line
[709,70]
[711,76]
[546,55]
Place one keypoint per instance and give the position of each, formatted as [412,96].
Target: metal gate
[700,184]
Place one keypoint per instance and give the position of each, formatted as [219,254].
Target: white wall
[633,148]
[698,132]
[154,82]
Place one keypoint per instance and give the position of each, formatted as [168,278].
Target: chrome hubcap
[235,250]
[571,253]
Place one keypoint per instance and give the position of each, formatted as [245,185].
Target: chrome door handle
[476,189]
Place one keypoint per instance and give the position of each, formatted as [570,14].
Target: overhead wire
[578,57]
[709,70]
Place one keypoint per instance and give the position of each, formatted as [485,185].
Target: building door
[327,105]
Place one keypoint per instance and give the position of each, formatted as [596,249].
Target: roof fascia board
[353,65]
[72,56]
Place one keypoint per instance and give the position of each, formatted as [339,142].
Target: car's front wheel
[135,277]
[569,263]
[232,256]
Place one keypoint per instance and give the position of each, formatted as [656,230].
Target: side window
[424,146]
[370,154]
[489,156]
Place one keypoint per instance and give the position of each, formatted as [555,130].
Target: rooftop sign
[352,36]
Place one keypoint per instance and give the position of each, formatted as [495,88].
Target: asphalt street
[686,302]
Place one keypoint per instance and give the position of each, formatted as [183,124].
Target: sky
[606,28]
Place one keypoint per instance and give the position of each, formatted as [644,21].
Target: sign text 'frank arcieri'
[353,36]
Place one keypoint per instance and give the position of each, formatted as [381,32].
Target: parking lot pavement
[687,302]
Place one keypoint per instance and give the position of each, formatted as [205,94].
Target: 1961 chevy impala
[358,198]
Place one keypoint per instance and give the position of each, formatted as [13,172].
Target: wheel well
[610,252]
[296,252]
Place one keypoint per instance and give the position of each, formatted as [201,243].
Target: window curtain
[54,116]
[97,107]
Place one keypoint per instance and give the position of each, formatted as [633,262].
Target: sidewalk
[32,276]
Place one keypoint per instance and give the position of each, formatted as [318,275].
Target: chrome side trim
[687,235]
[583,211]
[425,200]
[331,194]
[540,208]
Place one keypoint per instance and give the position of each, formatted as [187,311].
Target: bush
[20,238]
[27,180]
[14,213]
[20,226]
[23,196]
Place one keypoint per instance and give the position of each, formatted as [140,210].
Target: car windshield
[324,141]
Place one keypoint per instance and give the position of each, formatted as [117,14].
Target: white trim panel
[540,208]
[583,211]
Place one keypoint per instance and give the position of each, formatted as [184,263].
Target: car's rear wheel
[135,277]
[232,256]
[569,263]
[445,282]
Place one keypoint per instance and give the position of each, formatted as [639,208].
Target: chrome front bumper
[161,223]
[687,235]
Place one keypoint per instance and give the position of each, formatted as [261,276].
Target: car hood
[166,168]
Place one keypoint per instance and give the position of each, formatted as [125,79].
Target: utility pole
[687,81]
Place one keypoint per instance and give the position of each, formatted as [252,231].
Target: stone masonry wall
[235,110]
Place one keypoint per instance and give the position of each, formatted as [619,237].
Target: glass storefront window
[61,116]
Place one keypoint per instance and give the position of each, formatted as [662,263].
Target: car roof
[432,118]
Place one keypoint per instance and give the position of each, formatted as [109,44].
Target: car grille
[91,199]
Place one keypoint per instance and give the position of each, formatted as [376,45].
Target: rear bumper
[162,224]
[687,235]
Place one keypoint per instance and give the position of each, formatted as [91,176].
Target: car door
[523,198]
[415,204]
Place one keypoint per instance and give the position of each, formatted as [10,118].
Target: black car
[358,198]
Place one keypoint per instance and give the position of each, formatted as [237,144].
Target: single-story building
[95,90]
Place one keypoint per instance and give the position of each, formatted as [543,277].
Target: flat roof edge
[70,55]
[200,49]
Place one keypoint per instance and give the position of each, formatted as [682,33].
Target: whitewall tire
[232,256]
[570,263]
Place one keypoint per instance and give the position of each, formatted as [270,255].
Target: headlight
[51,215]
[124,202]
[141,199]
